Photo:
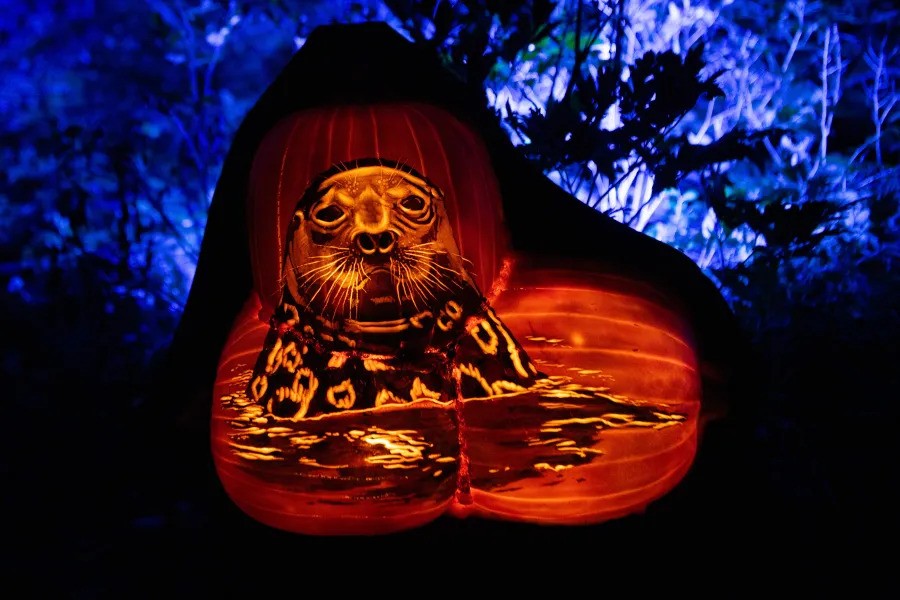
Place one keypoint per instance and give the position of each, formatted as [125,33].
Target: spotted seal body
[377,306]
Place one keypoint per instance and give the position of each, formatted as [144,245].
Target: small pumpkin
[418,342]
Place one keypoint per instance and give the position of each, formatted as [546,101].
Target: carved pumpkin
[426,333]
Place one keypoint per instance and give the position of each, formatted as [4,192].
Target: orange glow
[594,415]
[613,427]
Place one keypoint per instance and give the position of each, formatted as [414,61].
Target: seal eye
[412,203]
[328,214]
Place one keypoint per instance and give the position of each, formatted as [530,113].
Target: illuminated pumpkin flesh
[398,360]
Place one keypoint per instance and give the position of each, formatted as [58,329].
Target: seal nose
[379,243]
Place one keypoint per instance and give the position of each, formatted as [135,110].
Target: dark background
[106,493]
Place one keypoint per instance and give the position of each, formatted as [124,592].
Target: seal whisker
[340,299]
[429,247]
[335,281]
[312,273]
[404,278]
[330,275]
[415,285]
[412,271]
[426,271]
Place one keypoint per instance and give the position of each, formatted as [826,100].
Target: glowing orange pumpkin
[408,350]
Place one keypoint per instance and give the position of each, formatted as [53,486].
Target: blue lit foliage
[761,140]
[116,122]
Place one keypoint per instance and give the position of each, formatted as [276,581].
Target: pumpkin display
[418,341]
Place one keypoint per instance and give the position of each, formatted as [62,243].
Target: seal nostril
[365,242]
[385,241]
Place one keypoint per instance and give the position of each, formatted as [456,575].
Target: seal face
[370,249]
[377,305]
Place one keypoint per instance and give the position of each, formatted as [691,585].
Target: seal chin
[382,309]
[418,321]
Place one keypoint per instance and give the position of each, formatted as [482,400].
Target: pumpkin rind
[621,431]
[350,473]
[610,424]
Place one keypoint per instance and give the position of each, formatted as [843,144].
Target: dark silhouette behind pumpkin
[636,342]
